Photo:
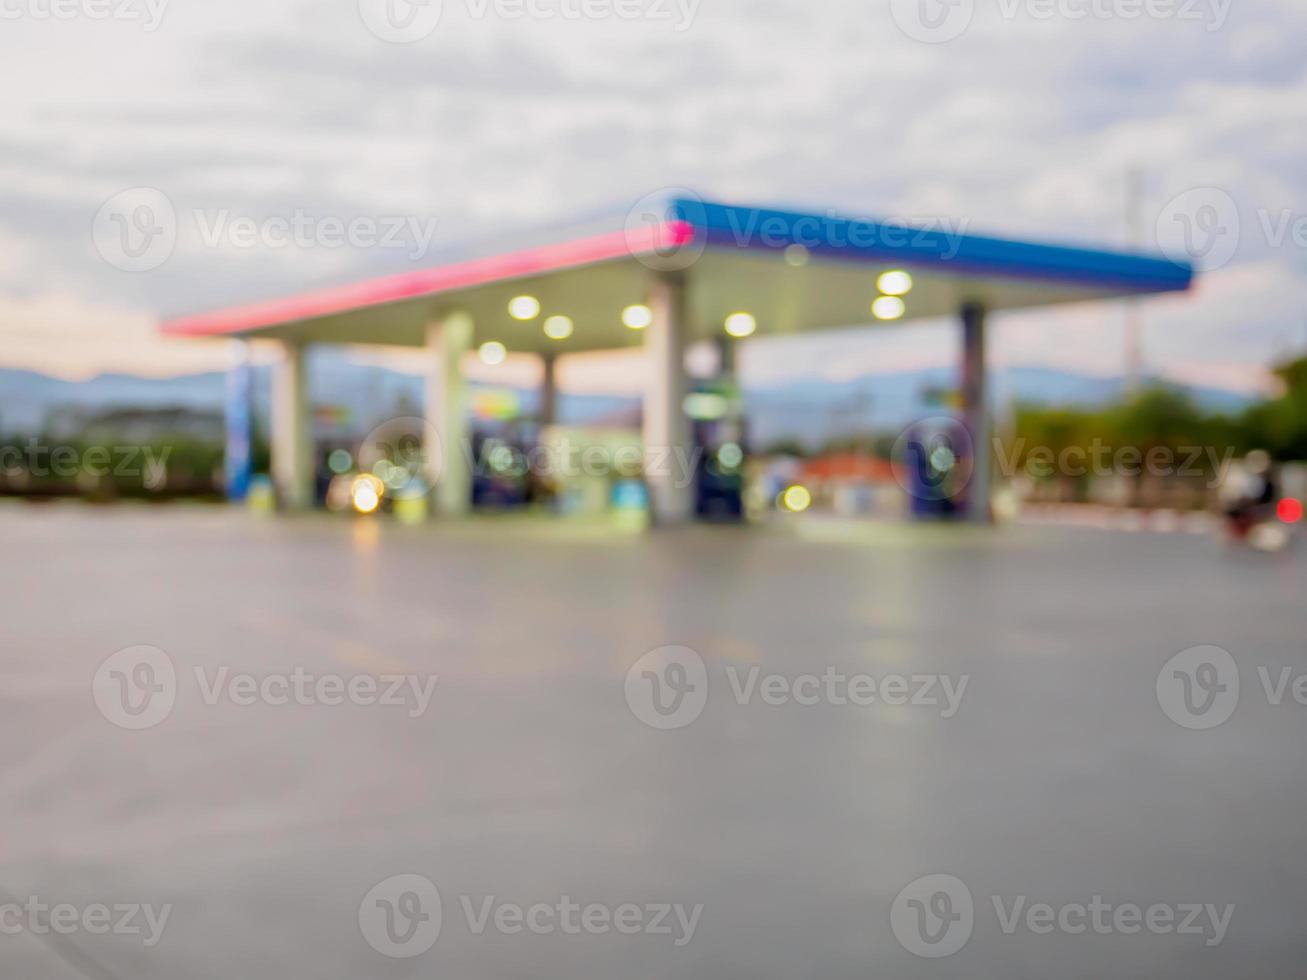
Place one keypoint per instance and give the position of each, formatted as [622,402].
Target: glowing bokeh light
[1289,510]
[340,461]
[558,327]
[637,317]
[365,493]
[942,459]
[796,255]
[896,282]
[888,308]
[524,307]
[796,499]
[741,324]
[492,352]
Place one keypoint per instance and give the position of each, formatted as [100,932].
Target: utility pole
[1134,356]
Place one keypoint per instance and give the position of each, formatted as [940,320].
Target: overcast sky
[1014,116]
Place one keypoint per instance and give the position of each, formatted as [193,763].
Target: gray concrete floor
[264,826]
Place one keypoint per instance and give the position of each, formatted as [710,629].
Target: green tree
[1279,425]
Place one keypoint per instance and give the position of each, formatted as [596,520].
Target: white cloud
[74,340]
[1018,126]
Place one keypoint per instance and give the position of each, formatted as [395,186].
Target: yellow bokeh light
[492,352]
[888,308]
[896,282]
[558,327]
[365,493]
[796,499]
[741,324]
[524,307]
[637,317]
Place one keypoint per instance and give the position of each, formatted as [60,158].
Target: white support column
[292,437]
[549,389]
[975,412]
[448,339]
[667,449]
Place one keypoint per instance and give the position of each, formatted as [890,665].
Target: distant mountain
[815,411]
[27,397]
[811,411]
[364,395]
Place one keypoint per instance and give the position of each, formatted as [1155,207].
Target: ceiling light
[524,307]
[741,324]
[637,317]
[887,308]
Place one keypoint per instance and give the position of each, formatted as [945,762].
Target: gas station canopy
[789,271]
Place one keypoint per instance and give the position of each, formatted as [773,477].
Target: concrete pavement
[793,796]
